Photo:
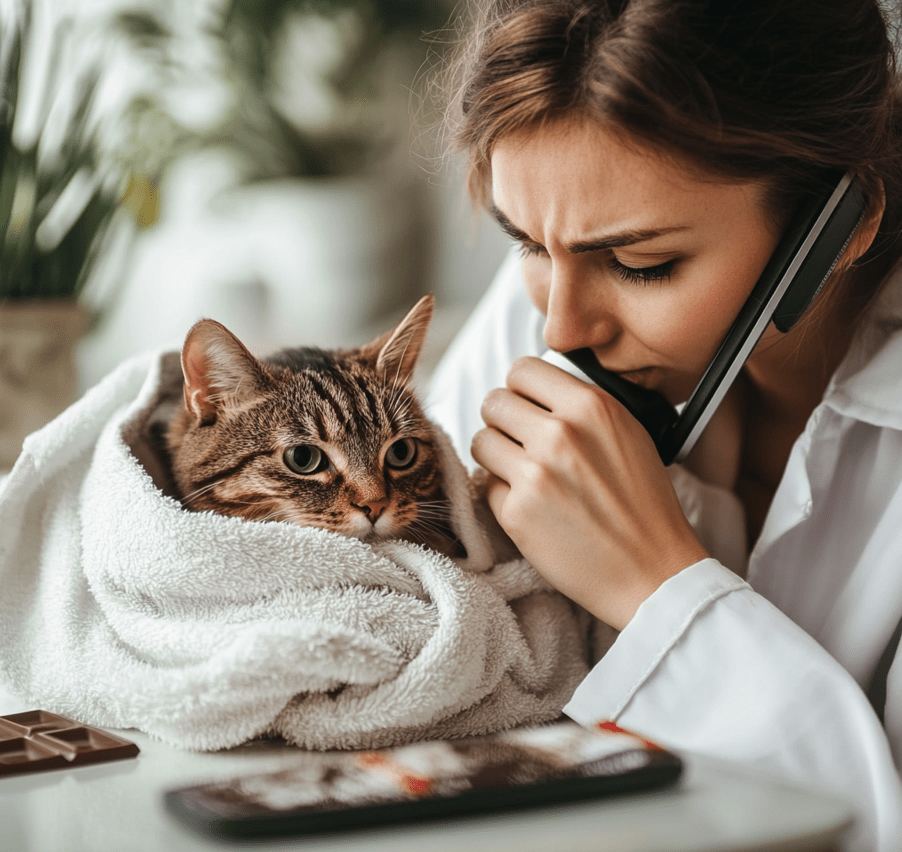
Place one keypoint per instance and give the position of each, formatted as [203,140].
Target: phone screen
[527,767]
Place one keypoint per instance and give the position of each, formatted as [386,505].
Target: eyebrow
[624,238]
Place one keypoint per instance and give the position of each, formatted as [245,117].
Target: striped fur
[232,443]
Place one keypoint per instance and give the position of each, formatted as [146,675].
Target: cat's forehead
[353,386]
[342,370]
[330,402]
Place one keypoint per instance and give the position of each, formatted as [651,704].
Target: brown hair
[750,89]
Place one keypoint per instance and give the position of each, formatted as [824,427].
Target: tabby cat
[326,438]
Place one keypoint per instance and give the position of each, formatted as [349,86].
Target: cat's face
[320,450]
[329,439]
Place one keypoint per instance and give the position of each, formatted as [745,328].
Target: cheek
[725,287]
[681,334]
[692,330]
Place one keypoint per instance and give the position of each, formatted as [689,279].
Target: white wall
[291,264]
[255,261]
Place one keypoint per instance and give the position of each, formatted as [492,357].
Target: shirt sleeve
[707,665]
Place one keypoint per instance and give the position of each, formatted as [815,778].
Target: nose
[579,310]
[372,508]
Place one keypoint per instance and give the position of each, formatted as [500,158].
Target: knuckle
[492,403]
[520,366]
[511,517]
[523,505]
[560,436]
[597,405]
[477,443]
[536,476]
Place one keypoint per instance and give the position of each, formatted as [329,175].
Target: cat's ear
[218,369]
[397,350]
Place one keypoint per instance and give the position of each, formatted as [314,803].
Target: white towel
[119,608]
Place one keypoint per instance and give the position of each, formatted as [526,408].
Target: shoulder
[865,387]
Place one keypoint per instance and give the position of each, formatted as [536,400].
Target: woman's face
[627,253]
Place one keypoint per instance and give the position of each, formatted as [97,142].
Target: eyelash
[643,274]
[633,274]
[530,249]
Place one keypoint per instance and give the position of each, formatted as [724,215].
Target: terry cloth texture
[120,608]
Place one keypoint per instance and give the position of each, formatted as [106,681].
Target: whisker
[432,516]
[429,504]
[427,527]
[438,506]
[424,538]
[401,362]
[403,405]
[278,514]
[198,492]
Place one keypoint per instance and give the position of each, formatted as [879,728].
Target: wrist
[618,610]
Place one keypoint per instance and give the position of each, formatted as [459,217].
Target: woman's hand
[577,484]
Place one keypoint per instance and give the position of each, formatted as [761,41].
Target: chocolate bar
[37,740]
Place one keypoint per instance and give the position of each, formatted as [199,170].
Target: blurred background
[277,165]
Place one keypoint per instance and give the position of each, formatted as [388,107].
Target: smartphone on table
[336,791]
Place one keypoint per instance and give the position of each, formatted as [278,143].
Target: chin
[368,533]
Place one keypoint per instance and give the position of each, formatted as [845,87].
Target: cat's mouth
[369,532]
[374,537]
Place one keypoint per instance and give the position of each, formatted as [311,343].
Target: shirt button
[806,509]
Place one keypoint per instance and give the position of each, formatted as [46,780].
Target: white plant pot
[281,263]
[333,255]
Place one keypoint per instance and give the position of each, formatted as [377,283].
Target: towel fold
[120,608]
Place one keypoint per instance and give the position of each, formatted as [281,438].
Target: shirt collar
[868,384]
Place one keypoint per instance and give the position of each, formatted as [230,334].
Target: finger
[552,388]
[512,414]
[496,493]
[496,452]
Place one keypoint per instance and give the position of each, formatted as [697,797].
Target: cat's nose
[372,508]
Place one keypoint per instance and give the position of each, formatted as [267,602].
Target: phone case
[508,771]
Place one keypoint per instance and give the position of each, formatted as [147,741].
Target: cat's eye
[305,459]
[402,454]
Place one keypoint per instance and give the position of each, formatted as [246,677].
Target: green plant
[60,203]
[372,35]
[60,208]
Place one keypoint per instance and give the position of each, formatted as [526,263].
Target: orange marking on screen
[417,786]
[614,728]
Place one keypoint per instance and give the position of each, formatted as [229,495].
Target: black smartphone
[440,779]
[794,275]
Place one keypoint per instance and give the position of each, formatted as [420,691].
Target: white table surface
[118,807]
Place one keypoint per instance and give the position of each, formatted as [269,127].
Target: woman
[647,156]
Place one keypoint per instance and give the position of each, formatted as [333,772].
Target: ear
[866,232]
[397,351]
[218,370]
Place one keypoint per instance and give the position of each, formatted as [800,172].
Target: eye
[402,454]
[306,459]
[531,249]
[643,274]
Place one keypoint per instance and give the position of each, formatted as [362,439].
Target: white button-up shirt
[771,671]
